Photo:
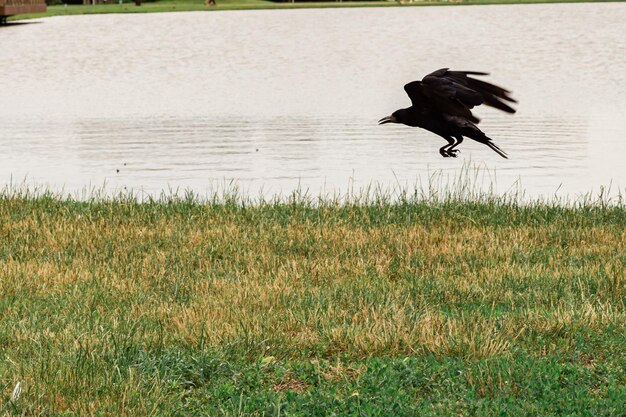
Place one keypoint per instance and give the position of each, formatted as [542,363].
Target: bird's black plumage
[442,103]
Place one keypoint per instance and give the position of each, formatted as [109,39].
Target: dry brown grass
[340,286]
[88,280]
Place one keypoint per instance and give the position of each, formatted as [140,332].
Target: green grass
[196,5]
[439,307]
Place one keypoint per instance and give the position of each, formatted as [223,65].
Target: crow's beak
[388,119]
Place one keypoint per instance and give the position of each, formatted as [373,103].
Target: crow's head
[398,116]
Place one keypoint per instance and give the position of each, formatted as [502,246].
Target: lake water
[272,101]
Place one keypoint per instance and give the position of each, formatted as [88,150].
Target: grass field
[197,5]
[441,308]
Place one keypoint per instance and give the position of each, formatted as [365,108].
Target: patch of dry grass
[84,285]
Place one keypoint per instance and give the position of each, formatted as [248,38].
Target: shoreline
[432,197]
[460,190]
[187,6]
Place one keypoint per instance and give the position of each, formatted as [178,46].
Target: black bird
[442,103]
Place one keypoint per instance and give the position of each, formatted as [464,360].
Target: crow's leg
[451,150]
[444,150]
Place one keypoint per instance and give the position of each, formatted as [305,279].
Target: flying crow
[442,103]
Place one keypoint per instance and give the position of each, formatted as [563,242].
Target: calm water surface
[277,100]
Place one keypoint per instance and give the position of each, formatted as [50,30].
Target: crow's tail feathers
[495,148]
[479,136]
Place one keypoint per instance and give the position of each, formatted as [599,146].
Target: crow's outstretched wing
[454,93]
[470,91]
[433,100]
